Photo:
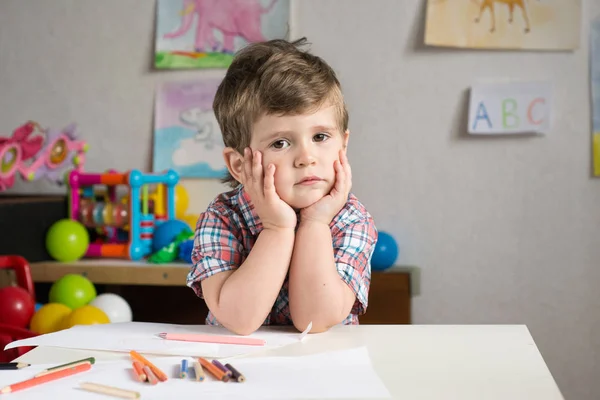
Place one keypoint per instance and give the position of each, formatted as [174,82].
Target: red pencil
[46,378]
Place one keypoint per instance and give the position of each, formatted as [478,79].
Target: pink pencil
[190,337]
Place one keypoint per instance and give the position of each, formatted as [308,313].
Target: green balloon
[67,240]
[72,290]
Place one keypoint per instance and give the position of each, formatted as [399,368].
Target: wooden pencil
[214,370]
[13,365]
[138,370]
[26,384]
[159,374]
[109,390]
[199,371]
[60,367]
[152,379]
[235,374]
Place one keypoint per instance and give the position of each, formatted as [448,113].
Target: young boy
[289,244]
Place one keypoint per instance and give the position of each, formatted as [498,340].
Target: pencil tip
[162,335]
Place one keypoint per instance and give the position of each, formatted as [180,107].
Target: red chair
[22,271]
[8,333]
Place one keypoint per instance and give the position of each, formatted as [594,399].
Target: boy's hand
[325,209]
[274,213]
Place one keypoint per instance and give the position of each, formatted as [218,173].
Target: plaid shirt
[229,228]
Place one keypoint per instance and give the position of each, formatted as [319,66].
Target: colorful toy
[114,306]
[49,318]
[185,250]
[123,228]
[52,153]
[165,233]
[72,290]
[86,315]
[16,306]
[170,252]
[67,240]
[385,253]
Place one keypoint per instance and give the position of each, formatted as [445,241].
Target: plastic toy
[171,251]
[165,233]
[49,318]
[16,306]
[114,306]
[121,227]
[49,154]
[72,290]
[385,253]
[185,250]
[67,240]
[86,315]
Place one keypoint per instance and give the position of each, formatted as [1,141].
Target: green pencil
[90,360]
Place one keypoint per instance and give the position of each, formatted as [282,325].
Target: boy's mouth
[309,180]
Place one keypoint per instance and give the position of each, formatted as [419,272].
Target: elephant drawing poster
[186,133]
[206,33]
[504,24]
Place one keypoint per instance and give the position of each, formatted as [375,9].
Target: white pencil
[109,390]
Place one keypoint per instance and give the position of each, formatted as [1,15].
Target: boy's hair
[273,78]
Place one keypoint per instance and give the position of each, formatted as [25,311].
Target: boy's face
[303,149]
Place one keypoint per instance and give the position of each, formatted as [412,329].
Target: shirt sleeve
[216,249]
[353,246]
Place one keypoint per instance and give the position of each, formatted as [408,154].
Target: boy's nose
[304,158]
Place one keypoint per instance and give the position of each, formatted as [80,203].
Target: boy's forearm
[317,293]
[248,295]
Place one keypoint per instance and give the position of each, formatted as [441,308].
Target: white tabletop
[418,361]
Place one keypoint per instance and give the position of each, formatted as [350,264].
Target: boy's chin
[303,202]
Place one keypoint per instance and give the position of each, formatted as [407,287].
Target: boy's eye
[320,137]
[280,144]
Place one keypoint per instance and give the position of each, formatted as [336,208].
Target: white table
[419,361]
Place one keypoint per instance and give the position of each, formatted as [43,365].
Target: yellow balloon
[182,200]
[86,315]
[49,318]
[191,220]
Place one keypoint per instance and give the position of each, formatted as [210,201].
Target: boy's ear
[346,136]
[234,162]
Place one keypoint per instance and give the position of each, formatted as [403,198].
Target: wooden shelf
[158,292]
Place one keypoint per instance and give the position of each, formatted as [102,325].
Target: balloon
[67,240]
[16,306]
[72,290]
[385,253]
[86,315]
[50,318]
[114,306]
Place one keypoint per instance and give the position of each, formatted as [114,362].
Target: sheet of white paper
[142,337]
[510,108]
[337,374]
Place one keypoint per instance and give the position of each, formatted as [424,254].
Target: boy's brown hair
[273,78]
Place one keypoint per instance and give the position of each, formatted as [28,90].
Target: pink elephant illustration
[232,17]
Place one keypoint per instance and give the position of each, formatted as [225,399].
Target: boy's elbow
[243,327]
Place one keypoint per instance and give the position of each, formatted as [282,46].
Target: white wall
[503,229]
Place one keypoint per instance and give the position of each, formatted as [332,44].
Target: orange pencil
[159,374]
[138,370]
[46,378]
[214,370]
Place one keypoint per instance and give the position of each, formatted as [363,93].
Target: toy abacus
[123,227]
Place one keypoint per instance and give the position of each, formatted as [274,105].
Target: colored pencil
[222,368]
[199,371]
[90,360]
[214,370]
[152,379]
[46,378]
[138,370]
[235,374]
[13,365]
[157,372]
[218,339]
[109,390]
[183,373]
